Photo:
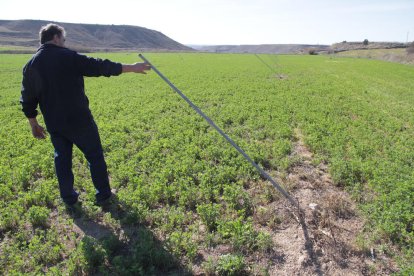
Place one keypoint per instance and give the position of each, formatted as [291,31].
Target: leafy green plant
[209,266]
[231,265]
[93,252]
[181,243]
[209,214]
[243,237]
[38,216]
[238,199]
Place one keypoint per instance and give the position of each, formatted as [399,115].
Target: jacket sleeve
[95,67]
[29,92]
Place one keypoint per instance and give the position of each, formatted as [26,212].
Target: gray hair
[47,32]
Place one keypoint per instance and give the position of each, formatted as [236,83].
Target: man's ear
[55,38]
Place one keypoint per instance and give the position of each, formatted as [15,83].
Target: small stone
[301,259]
[313,206]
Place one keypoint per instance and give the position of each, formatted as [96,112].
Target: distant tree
[344,41]
[410,49]
[365,42]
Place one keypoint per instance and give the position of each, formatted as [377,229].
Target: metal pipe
[201,113]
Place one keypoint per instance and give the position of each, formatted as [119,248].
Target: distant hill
[298,48]
[263,48]
[89,37]
[356,45]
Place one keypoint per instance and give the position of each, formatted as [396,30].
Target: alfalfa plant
[231,265]
[38,216]
[209,214]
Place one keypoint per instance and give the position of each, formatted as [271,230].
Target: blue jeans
[89,143]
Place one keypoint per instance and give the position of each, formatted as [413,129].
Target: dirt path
[323,241]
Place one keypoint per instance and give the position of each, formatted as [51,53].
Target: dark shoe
[72,199]
[74,210]
[106,201]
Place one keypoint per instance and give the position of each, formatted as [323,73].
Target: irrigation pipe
[267,65]
[201,113]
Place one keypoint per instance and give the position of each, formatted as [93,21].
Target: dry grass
[324,238]
[392,55]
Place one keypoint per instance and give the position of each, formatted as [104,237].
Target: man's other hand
[37,130]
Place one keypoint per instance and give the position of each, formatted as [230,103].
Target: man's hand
[139,67]
[37,130]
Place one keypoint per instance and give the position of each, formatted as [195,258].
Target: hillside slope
[359,45]
[263,48]
[88,36]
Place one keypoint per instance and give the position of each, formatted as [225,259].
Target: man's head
[52,33]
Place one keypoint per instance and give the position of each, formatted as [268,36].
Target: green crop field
[181,188]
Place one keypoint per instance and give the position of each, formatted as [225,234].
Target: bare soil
[321,239]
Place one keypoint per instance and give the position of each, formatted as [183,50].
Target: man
[53,79]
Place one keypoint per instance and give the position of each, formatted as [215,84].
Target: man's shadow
[128,249]
[309,246]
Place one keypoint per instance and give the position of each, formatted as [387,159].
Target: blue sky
[211,22]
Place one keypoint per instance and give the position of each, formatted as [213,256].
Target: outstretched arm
[95,67]
[139,67]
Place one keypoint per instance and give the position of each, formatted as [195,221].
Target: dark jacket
[53,79]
